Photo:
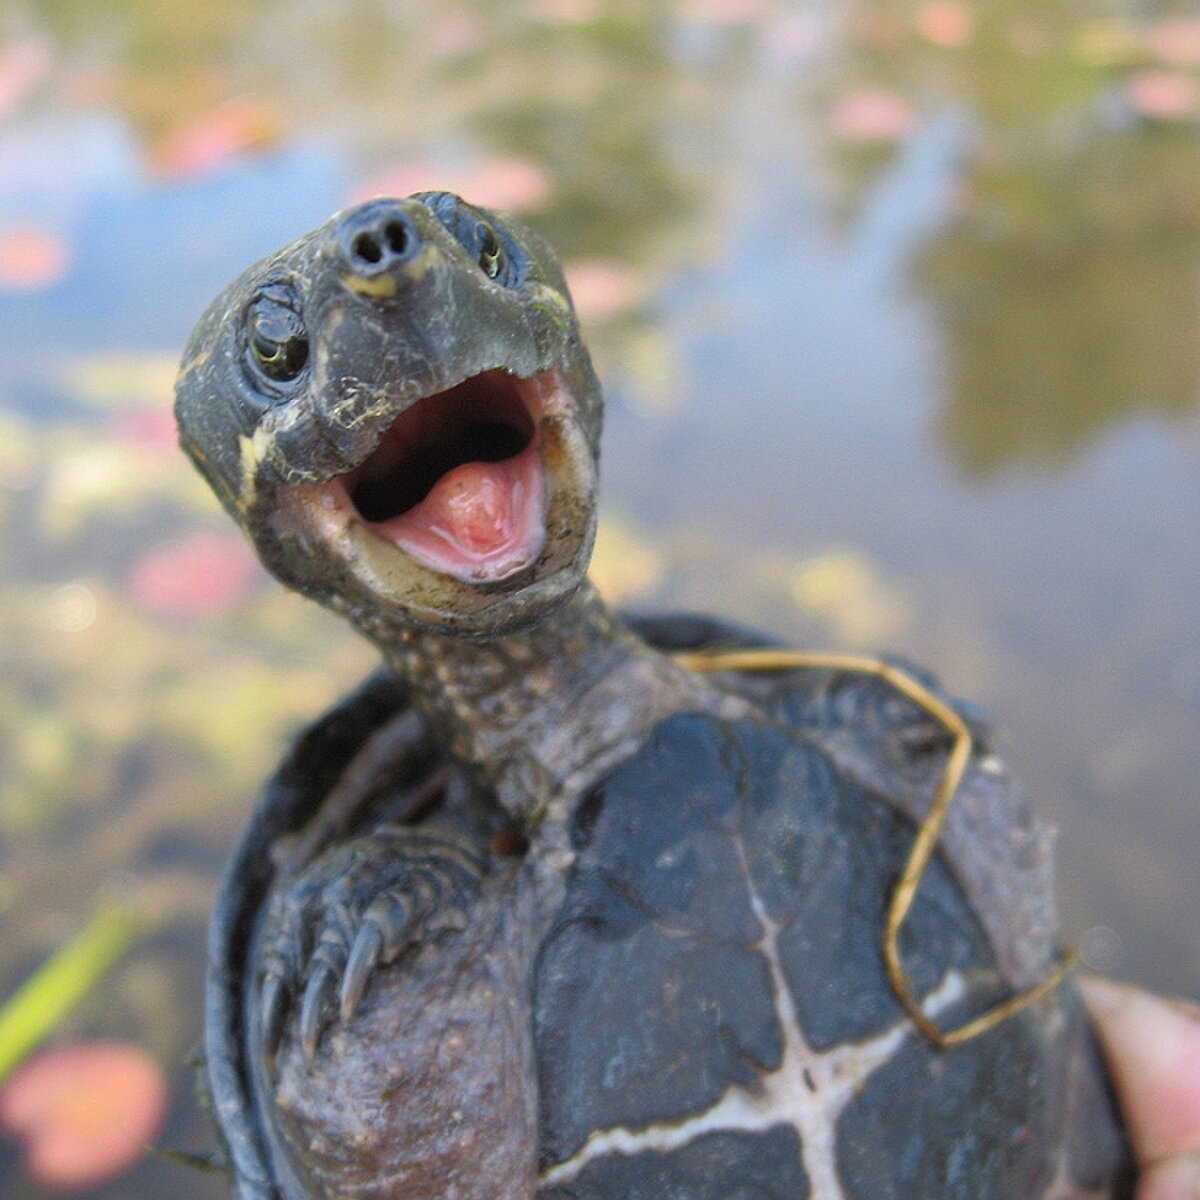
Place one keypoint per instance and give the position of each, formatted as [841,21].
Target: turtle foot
[352,911]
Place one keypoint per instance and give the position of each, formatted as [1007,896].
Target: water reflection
[1065,281]
[1067,294]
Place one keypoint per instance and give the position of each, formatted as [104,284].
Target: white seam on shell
[808,1090]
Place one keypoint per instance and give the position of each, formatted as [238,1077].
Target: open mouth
[458,481]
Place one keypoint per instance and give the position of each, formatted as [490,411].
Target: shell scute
[740,911]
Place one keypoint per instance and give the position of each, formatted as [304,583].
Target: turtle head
[400,412]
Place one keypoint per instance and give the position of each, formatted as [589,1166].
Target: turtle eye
[276,335]
[491,253]
[493,246]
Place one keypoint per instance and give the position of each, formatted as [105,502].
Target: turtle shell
[710,1018]
[291,798]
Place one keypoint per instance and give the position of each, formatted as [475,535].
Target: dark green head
[399,411]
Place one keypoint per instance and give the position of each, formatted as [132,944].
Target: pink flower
[24,63]
[84,1112]
[32,257]
[1163,95]
[216,139]
[946,23]
[204,574]
[871,114]
[150,429]
[600,288]
[1176,40]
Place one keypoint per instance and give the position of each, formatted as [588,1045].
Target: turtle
[570,905]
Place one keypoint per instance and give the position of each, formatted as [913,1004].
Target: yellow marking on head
[196,361]
[381,285]
[552,296]
[251,457]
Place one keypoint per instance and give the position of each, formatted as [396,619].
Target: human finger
[1153,1049]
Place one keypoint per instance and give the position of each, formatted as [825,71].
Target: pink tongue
[482,520]
[472,505]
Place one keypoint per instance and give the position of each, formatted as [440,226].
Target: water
[899,319]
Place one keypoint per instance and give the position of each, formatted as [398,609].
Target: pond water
[898,309]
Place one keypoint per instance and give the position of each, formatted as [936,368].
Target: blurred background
[898,309]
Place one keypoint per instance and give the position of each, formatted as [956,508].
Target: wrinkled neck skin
[540,715]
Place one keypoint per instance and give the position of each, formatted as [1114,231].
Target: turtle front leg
[355,908]
[389,1022]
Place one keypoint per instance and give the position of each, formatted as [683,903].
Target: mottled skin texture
[539,912]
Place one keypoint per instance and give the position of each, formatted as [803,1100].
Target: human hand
[1153,1050]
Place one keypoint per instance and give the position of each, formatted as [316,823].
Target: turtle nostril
[366,247]
[396,234]
[377,238]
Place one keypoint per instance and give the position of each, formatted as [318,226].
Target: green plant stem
[62,981]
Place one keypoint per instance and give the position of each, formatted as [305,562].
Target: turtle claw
[365,954]
[316,1009]
[274,1010]
[349,913]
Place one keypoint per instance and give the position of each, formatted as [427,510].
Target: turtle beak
[458,480]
